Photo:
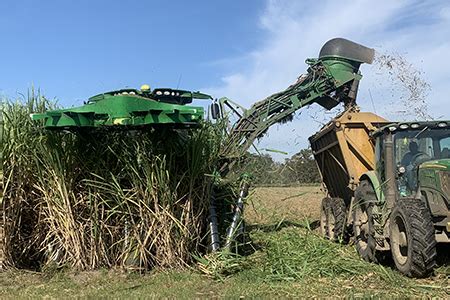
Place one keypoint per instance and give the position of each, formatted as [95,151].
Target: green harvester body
[129,108]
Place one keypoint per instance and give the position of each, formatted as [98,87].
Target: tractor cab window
[444,146]
[414,147]
[408,149]
[411,149]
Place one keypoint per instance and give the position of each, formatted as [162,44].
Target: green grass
[291,261]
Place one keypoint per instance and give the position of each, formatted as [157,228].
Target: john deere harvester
[387,203]
[331,79]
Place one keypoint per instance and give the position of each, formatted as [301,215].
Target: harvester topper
[129,108]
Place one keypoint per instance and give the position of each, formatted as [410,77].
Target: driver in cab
[409,161]
[413,151]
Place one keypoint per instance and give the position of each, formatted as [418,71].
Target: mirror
[215,111]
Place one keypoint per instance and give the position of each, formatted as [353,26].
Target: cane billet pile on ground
[137,179]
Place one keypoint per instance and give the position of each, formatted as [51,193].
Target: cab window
[444,145]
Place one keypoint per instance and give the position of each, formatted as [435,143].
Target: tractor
[387,187]
[403,205]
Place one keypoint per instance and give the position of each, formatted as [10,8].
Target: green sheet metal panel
[129,108]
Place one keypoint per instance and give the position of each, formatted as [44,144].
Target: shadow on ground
[247,246]
[283,224]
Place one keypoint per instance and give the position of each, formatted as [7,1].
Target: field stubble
[290,260]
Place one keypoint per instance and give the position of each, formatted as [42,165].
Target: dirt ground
[293,203]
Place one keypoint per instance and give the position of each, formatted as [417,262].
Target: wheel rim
[362,228]
[399,240]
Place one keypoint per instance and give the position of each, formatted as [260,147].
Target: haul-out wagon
[343,151]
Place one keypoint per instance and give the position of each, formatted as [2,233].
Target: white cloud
[445,13]
[296,30]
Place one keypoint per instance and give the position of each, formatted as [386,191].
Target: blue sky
[73,49]
[245,50]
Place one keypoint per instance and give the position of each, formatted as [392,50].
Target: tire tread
[423,257]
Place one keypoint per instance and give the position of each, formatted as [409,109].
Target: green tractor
[403,205]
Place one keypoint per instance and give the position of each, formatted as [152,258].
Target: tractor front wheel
[413,245]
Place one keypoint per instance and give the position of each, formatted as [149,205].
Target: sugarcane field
[257,149]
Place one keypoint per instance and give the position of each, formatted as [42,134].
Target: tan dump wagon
[343,151]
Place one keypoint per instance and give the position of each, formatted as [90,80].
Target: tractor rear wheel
[363,222]
[332,219]
[413,245]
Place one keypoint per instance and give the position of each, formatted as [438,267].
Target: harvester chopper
[331,79]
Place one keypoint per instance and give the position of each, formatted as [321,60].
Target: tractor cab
[420,155]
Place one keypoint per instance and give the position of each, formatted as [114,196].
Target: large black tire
[413,244]
[332,219]
[363,222]
[324,212]
[339,210]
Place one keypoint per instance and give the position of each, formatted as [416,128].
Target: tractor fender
[372,177]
